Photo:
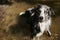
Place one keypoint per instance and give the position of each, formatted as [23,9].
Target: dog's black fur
[33,20]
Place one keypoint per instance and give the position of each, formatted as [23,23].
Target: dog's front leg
[38,35]
[49,33]
[34,38]
[48,27]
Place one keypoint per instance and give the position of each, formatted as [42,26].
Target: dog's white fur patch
[22,13]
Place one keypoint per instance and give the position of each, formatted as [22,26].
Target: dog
[39,18]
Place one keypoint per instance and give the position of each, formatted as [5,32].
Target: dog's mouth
[40,20]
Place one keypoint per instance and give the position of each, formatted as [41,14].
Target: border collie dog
[39,18]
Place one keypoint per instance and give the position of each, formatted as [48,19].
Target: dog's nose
[41,18]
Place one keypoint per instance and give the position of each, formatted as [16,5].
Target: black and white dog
[39,18]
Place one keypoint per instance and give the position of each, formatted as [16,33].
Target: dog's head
[43,12]
[46,12]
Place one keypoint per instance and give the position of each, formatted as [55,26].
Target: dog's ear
[37,6]
[51,12]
